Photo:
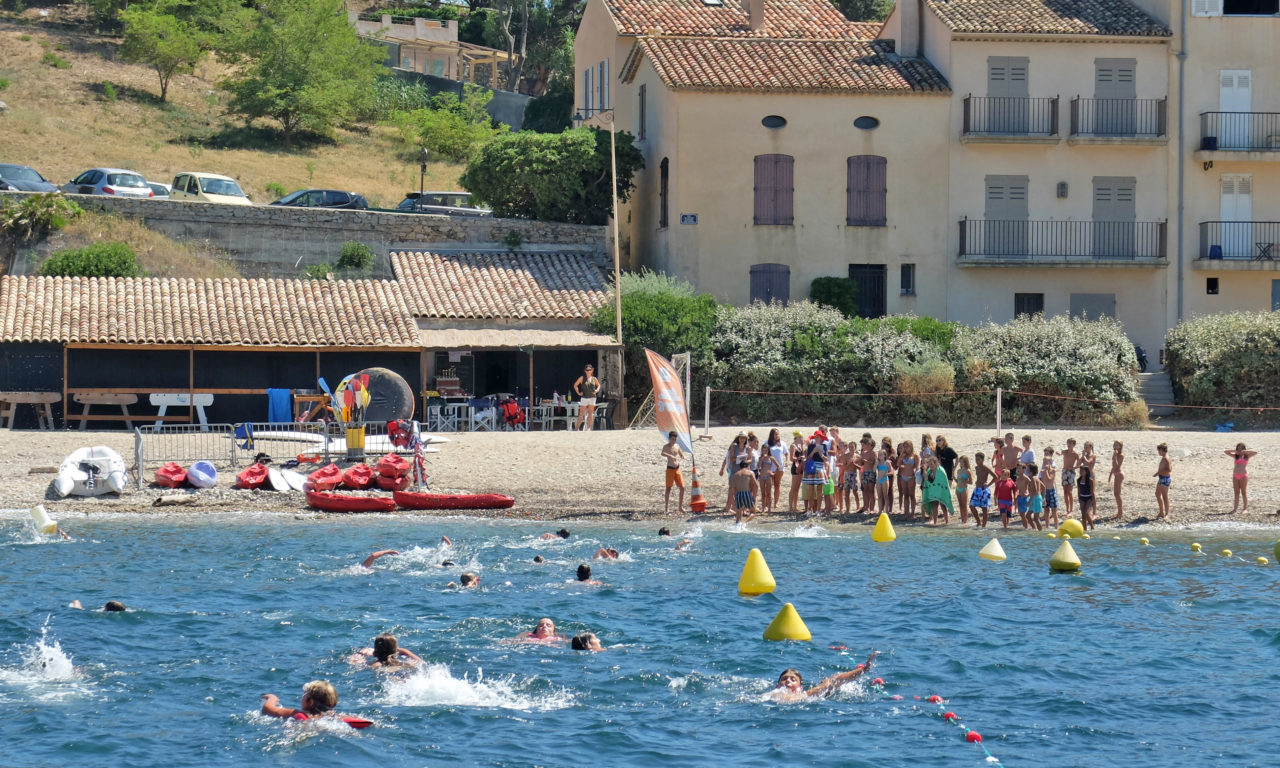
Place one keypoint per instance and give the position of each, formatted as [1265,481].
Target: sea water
[1150,656]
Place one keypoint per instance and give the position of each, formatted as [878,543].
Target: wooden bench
[90,399]
[9,402]
[184,400]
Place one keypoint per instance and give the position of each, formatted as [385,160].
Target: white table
[183,400]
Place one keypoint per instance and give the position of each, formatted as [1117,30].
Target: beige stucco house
[431,46]
[782,143]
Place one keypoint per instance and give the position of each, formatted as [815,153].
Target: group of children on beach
[829,476]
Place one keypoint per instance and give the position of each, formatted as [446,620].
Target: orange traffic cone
[696,501]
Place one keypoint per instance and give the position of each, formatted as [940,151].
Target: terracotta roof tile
[500,285]
[1048,17]
[226,312]
[817,19]
[789,65]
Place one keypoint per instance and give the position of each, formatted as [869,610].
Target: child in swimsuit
[1069,461]
[1084,489]
[980,503]
[963,476]
[744,487]
[1047,476]
[883,472]
[1240,475]
[1164,479]
[1005,490]
[1035,489]
[907,463]
[1117,474]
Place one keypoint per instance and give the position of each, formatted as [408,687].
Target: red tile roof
[789,65]
[814,19]
[501,285]
[222,312]
[1048,17]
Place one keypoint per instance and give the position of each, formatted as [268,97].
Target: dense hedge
[1229,360]
[905,364]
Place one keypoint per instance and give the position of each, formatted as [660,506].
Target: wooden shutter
[774,193]
[867,190]
[664,170]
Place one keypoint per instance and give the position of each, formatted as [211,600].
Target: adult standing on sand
[674,455]
[587,387]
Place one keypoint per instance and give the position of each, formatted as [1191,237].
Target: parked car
[109,181]
[208,188]
[161,190]
[323,198]
[22,178]
[445,203]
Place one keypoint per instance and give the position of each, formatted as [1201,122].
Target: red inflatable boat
[358,477]
[171,475]
[252,476]
[392,465]
[392,483]
[407,500]
[341,502]
[326,478]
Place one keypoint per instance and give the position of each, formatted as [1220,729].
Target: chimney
[755,10]
[909,23]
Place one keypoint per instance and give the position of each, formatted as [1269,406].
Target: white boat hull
[91,472]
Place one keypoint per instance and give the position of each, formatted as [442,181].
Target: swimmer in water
[605,554]
[791,686]
[587,641]
[543,632]
[113,606]
[469,580]
[563,533]
[684,544]
[584,575]
[539,559]
[386,653]
[319,697]
[369,561]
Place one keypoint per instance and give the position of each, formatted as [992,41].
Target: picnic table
[9,402]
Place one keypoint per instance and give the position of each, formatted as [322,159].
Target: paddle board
[295,479]
[276,480]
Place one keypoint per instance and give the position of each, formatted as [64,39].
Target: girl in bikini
[1240,475]
[884,470]
[907,464]
[1117,475]
[963,476]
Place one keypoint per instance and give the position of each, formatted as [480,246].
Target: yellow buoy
[1117,538]
[756,579]
[1226,553]
[884,530]
[1064,536]
[1051,535]
[1071,527]
[1144,541]
[1065,559]
[1084,536]
[993,551]
[787,625]
[1195,546]
[41,520]
[1263,561]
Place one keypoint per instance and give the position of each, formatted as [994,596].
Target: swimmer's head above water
[544,628]
[385,646]
[586,641]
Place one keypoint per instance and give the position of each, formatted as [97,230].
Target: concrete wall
[277,241]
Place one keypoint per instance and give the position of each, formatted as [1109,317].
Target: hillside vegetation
[63,118]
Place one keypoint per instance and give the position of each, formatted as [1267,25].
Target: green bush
[1227,360]
[452,128]
[836,292]
[109,91]
[36,215]
[356,257]
[4,83]
[54,60]
[276,190]
[111,259]
[316,272]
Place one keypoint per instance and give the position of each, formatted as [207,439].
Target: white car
[109,181]
[208,188]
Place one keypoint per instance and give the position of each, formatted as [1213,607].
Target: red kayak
[341,502]
[358,477]
[252,476]
[171,475]
[392,483]
[326,478]
[407,500]
[393,465]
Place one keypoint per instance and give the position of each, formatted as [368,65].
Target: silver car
[109,181]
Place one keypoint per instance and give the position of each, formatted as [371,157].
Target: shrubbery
[34,215]
[904,364]
[1227,360]
[98,260]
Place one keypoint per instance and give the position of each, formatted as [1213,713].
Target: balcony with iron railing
[1119,121]
[1239,245]
[1009,120]
[1239,136]
[1000,243]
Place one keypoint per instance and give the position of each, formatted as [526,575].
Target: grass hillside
[62,119]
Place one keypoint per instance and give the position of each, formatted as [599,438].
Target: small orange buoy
[973,737]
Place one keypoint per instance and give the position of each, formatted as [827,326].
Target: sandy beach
[618,474]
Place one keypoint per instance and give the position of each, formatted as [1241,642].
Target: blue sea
[1150,656]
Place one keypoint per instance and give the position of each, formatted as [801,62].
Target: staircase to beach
[1155,387]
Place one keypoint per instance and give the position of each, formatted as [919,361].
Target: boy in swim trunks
[1070,463]
[980,500]
[671,451]
[1047,476]
[1006,487]
[744,487]
[867,462]
[1024,493]
[1035,505]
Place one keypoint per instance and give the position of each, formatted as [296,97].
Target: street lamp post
[422,173]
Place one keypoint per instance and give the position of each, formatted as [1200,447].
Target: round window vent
[866,123]
[774,121]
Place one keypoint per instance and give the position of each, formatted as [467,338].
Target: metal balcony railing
[1010,116]
[1240,240]
[1240,131]
[1119,118]
[1020,242]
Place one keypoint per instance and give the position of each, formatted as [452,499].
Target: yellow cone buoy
[1051,535]
[787,625]
[1263,561]
[993,551]
[1065,559]
[1071,527]
[756,579]
[1144,541]
[41,520]
[884,530]
[1226,553]
[1195,546]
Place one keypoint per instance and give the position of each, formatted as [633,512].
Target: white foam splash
[433,686]
[46,671]
[809,531]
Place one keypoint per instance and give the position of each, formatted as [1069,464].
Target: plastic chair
[484,414]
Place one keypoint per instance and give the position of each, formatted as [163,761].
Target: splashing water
[45,670]
[433,685]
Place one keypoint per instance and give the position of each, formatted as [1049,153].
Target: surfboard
[295,479]
[276,480]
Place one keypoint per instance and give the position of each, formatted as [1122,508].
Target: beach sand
[619,474]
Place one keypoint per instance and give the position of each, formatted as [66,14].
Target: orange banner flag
[668,400]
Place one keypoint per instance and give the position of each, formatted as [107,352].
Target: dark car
[443,203]
[23,178]
[323,198]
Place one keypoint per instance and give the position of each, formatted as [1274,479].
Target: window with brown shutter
[774,193]
[664,169]
[867,190]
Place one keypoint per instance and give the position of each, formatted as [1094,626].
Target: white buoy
[42,521]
